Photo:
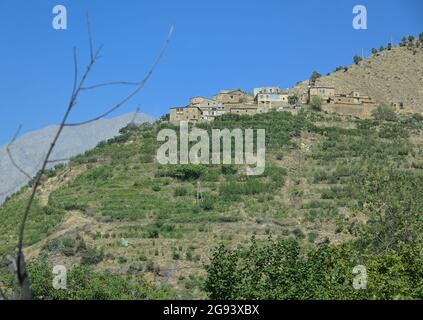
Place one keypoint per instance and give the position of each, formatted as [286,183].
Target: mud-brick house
[189,113]
[243,109]
[352,98]
[231,96]
[325,93]
[202,102]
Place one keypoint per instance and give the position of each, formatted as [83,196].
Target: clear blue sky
[217,44]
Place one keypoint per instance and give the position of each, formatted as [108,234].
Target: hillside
[29,149]
[115,210]
[389,76]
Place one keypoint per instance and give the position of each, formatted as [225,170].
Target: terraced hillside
[115,210]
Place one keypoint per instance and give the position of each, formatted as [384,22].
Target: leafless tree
[79,85]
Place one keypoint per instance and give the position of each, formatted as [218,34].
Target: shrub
[299,234]
[316,103]
[384,113]
[208,203]
[91,256]
[314,76]
[229,169]
[180,191]
[357,59]
[182,172]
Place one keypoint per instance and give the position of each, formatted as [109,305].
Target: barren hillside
[389,76]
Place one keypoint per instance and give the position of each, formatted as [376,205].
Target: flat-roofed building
[325,93]
[189,113]
[243,109]
[269,90]
[230,96]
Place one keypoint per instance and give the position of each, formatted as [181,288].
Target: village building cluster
[262,100]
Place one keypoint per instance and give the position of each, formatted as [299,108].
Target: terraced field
[116,210]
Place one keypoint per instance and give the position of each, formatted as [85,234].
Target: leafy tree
[389,46]
[385,113]
[357,59]
[85,284]
[293,99]
[282,269]
[314,76]
[421,37]
[411,39]
[381,48]
[374,50]
[316,103]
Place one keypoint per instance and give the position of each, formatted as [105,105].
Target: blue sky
[217,44]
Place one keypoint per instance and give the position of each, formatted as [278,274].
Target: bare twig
[140,86]
[90,37]
[11,157]
[108,84]
[135,115]
[20,261]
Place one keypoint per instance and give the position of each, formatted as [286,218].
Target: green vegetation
[85,284]
[282,270]
[316,103]
[385,113]
[336,193]
[358,59]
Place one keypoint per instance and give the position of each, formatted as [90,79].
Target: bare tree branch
[21,272]
[108,84]
[11,157]
[136,91]
[90,37]
[135,114]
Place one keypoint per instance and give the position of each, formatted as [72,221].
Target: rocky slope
[389,76]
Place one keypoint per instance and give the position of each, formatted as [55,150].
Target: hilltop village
[265,99]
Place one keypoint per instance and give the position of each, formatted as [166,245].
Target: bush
[299,234]
[357,59]
[91,256]
[207,203]
[316,103]
[281,270]
[85,284]
[384,113]
[180,191]
[182,172]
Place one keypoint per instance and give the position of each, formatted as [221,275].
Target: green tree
[357,59]
[316,103]
[314,76]
[385,113]
[293,99]
[374,50]
[85,284]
